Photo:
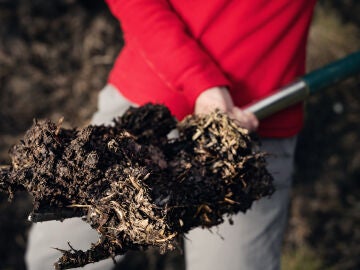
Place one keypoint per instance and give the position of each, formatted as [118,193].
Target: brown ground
[55,56]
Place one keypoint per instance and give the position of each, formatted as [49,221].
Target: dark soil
[55,57]
[136,187]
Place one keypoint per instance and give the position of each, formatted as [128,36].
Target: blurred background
[54,58]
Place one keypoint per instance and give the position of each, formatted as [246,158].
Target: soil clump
[134,185]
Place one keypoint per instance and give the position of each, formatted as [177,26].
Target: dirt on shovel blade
[133,184]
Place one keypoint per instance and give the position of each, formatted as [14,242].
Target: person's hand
[219,98]
[214,98]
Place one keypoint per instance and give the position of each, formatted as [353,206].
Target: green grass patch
[303,258]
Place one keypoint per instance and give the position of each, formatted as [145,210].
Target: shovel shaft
[283,98]
[307,85]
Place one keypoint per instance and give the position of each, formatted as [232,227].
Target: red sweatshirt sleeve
[156,32]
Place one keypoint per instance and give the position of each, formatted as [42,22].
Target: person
[196,56]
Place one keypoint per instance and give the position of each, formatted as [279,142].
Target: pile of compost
[132,183]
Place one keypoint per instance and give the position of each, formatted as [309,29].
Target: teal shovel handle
[307,85]
[333,72]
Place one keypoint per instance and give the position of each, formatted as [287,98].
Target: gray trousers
[253,242]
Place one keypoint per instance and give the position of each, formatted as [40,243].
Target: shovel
[285,97]
[307,85]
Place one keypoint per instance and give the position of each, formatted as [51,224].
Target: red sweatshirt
[176,49]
